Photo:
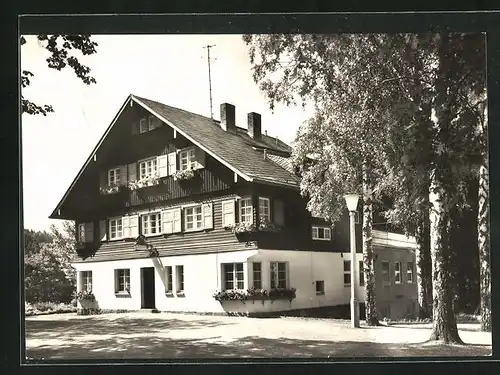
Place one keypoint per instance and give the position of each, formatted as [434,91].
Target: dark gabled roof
[237,150]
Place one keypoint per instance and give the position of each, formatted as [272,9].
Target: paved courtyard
[169,336]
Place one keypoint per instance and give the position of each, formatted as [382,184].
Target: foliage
[143,182]
[186,174]
[59,47]
[49,276]
[85,295]
[268,226]
[242,227]
[255,294]
[110,189]
[41,308]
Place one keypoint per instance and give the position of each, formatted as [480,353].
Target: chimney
[228,117]
[254,125]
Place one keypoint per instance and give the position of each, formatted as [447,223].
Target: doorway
[148,288]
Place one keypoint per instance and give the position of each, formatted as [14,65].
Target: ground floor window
[122,280]
[409,272]
[397,272]
[179,274]
[233,276]
[320,287]
[257,275]
[385,273]
[86,280]
[168,279]
[279,275]
[347,272]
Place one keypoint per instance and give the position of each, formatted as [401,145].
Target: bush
[40,308]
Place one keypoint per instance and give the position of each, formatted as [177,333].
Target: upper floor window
[153,122]
[86,232]
[279,275]
[148,167]
[193,218]
[115,228]
[409,272]
[151,224]
[114,176]
[321,233]
[246,215]
[385,273]
[397,273]
[264,211]
[143,125]
[188,159]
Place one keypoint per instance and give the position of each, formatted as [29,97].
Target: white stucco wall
[202,277]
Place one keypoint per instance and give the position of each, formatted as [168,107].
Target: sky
[171,69]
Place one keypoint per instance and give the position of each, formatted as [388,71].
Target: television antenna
[208,46]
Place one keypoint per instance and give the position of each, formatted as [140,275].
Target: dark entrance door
[148,288]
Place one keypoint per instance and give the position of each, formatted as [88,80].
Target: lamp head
[351,201]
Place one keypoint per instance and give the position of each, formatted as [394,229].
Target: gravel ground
[170,336]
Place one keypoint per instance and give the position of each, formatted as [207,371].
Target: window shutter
[279,212]
[162,163]
[81,233]
[132,172]
[102,180]
[167,218]
[177,220]
[126,226]
[200,158]
[228,213]
[89,232]
[208,221]
[102,230]
[134,226]
[172,163]
[123,175]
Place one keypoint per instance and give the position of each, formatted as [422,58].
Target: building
[177,212]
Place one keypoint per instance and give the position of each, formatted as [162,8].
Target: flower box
[187,174]
[245,227]
[144,182]
[255,294]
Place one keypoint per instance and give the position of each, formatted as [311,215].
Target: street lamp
[351,201]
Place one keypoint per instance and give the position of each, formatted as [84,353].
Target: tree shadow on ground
[75,327]
[129,348]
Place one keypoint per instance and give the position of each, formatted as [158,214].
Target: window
[347,272]
[188,159]
[397,273]
[246,215]
[264,210]
[257,275]
[143,126]
[153,123]
[168,280]
[179,273]
[409,272]
[148,168]
[122,280]
[115,228]
[321,233]
[320,287]
[361,273]
[86,280]
[114,176]
[385,273]
[193,218]
[151,224]
[279,277]
[233,276]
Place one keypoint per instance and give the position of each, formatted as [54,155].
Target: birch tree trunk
[370,300]
[483,230]
[444,323]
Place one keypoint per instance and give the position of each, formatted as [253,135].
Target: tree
[59,47]
[48,273]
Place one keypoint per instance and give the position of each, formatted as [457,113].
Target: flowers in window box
[144,181]
[268,226]
[255,294]
[244,227]
[85,295]
[184,175]
[110,189]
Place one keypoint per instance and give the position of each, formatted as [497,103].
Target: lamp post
[351,201]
